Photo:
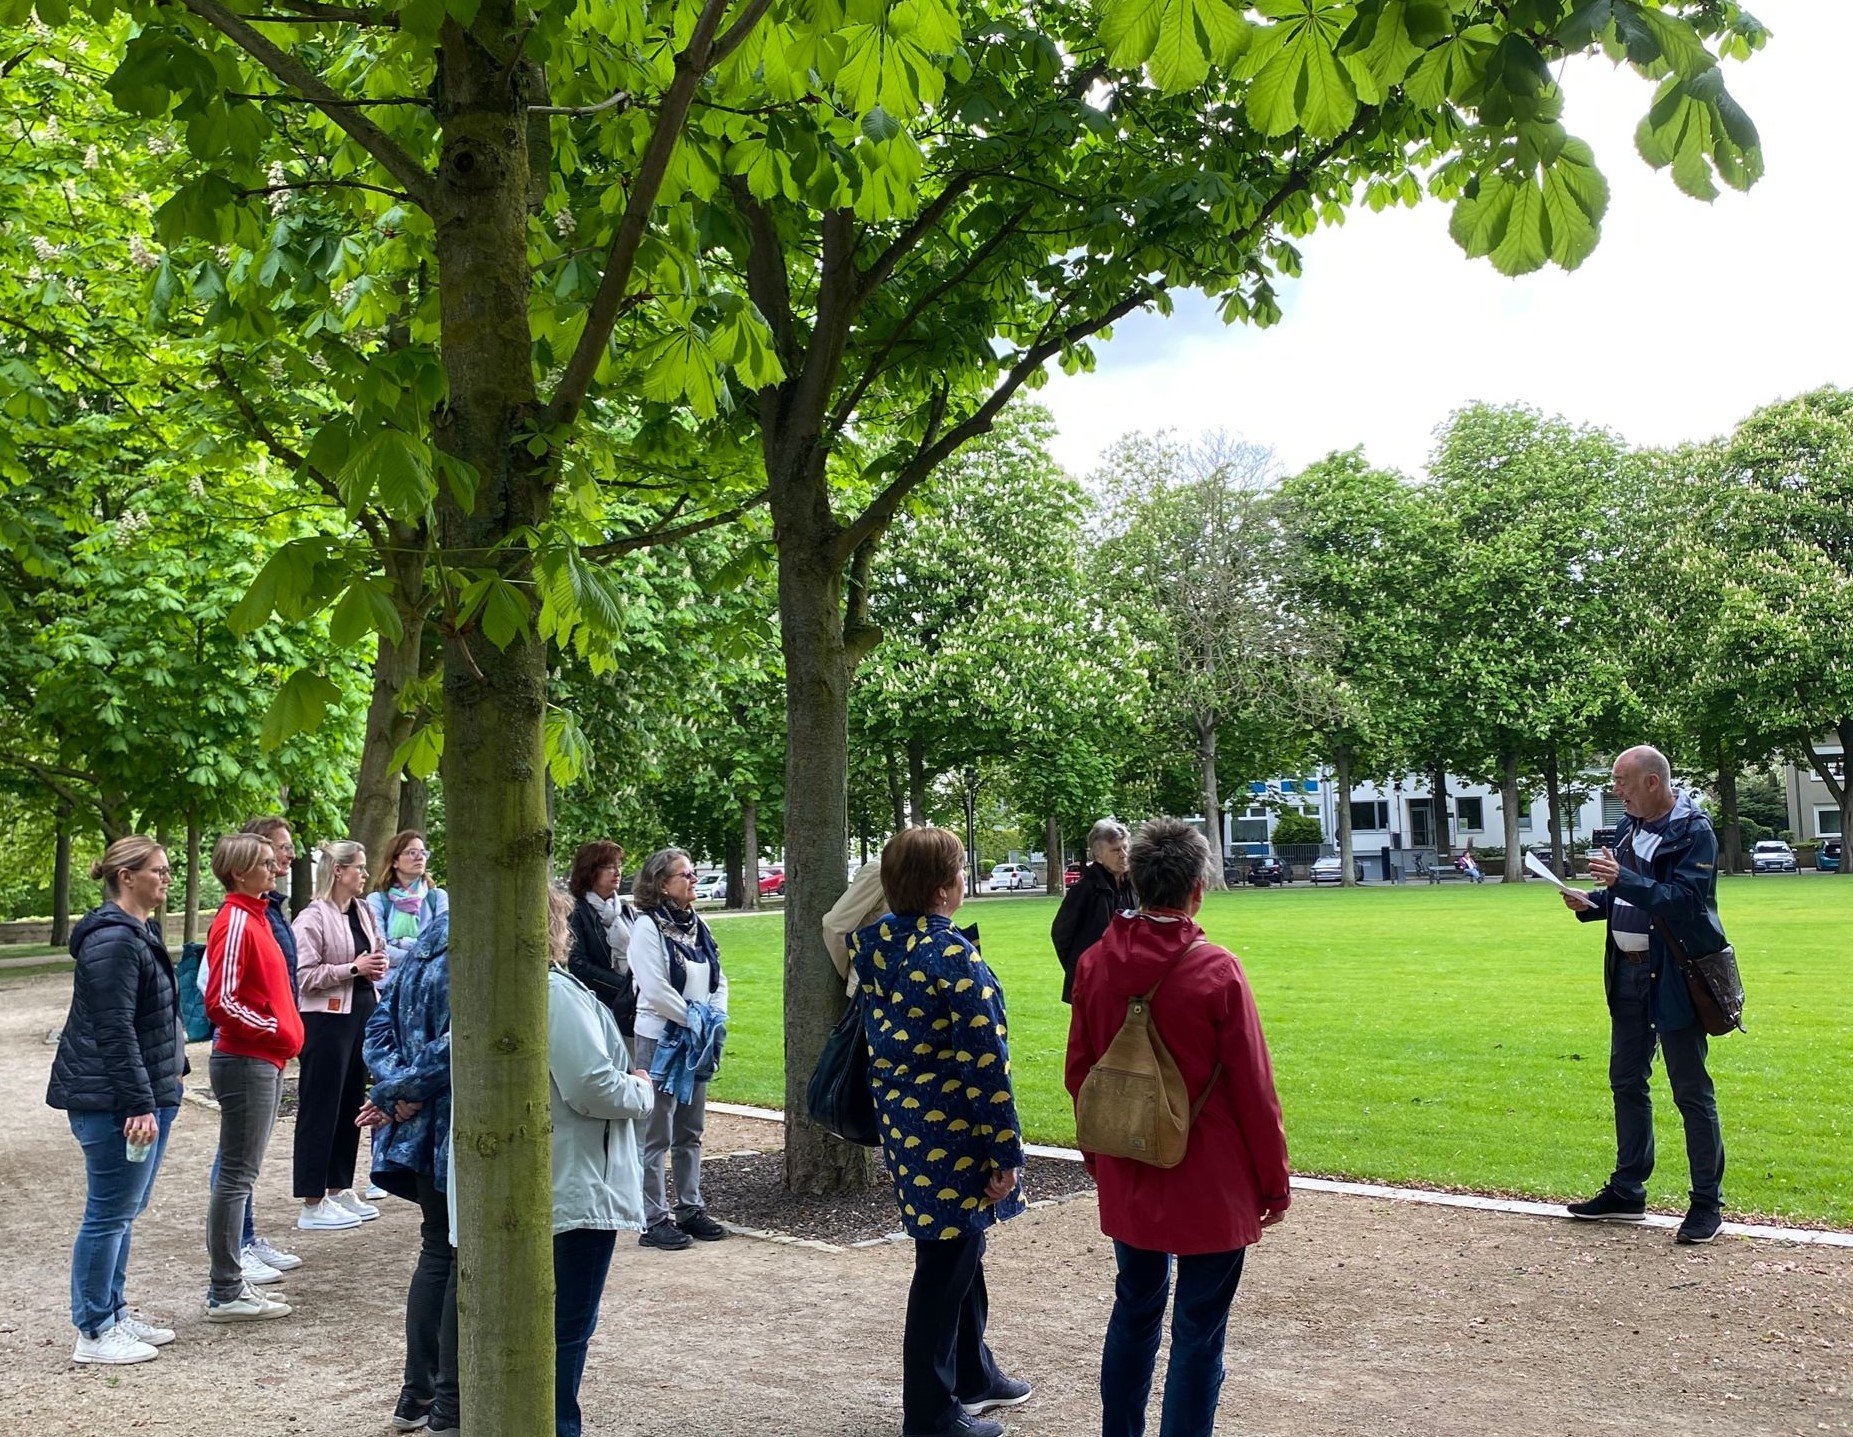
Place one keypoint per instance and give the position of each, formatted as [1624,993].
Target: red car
[772,881]
[1071,875]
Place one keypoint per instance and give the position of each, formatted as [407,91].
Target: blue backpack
[192,1001]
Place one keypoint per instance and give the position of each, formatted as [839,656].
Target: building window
[1613,810]
[1827,823]
[1470,813]
[1371,816]
[1524,819]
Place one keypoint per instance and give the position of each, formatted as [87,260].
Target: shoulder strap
[1148,994]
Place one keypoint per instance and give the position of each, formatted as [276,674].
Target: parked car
[1071,875]
[1263,871]
[772,881]
[1010,877]
[1772,855]
[1330,870]
[1827,855]
[712,887]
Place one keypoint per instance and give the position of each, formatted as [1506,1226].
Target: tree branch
[671,116]
[924,223]
[323,185]
[304,11]
[339,109]
[766,281]
[619,101]
[259,98]
[738,31]
[665,533]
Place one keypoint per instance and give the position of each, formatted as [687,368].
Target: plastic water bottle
[138,1152]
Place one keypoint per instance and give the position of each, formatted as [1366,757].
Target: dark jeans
[330,1088]
[943,1356]
[581,1258]
[116,1192]
[248,1090]
[1633,1038]
[1199,1322]
[431,1311]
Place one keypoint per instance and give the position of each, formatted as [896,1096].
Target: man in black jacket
[1660,878]
[1102,890]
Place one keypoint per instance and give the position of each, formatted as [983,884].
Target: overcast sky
[1686,318]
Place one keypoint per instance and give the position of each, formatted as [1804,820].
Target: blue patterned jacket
[407,1050]
[939,1070]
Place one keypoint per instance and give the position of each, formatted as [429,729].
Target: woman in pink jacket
[1209,1209]
[340,956]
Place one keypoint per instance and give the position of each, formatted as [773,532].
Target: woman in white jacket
[677,968]
[598,1103]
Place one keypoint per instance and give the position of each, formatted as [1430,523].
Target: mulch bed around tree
[748,1190]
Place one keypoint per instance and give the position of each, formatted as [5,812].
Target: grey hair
[647,891]
[1108,830]
[1645,759]
[334,855]
[1169,858]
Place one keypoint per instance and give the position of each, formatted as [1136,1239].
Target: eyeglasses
[160,872]
[414,853]
[688,873]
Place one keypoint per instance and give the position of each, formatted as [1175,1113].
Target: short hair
[389,861]
[237,854]
[559,926]
[334,855]
[1169,858]
[647,892]
[268,826]
[599,853]
[1645,759]
[133,853]
[1108,830]
[917,864]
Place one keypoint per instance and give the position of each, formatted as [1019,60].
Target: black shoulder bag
[1712,981]
[838,1097]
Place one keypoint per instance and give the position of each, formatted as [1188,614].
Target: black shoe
[665,1235]
[411,1415]
[1005,1392]
[1609,1206]
[701,1227]
[965,1425]
[445,1426]
[1701,1225]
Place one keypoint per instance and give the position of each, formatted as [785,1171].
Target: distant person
[257,1029]
[1469,865]
[601,930]
[407,1050]
[599,1104]
[939,1073]
[1659,879]
[116,1075]
[1102,890]
[404,900]
[341,961]
[1233,1182]
[681,998]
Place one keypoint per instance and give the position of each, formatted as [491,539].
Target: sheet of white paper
[1538,866]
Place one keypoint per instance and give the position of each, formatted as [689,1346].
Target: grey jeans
[674,1128]
[248,1091]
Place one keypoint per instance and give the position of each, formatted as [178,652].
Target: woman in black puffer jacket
[117,1075]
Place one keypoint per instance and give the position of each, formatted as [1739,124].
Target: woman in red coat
[1232,1183]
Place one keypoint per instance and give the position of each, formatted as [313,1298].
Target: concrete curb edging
[1518,1207]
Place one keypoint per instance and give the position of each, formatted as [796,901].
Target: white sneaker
[145,1331]
[274,1256]
[117,1347]
[249,1306]
[346,1198]
[373,1192]
[326,1216]
[256,1271]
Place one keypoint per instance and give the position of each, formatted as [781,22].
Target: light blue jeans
[117,1192]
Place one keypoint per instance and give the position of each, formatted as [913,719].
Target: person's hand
[371,1117]
[1273,1217]
[641,1073]
[405,1112]
[141,1129]
[1604,868]
[1576,902]
[372,966]
[1002,1183]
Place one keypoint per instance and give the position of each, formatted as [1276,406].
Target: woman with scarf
[404,899]
[601,930]
[681,1003]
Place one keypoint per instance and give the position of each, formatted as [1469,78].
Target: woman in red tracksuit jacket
[252,1005]
[1232,1183]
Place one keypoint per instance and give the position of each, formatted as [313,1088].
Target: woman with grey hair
[1102,890]
[681,1003]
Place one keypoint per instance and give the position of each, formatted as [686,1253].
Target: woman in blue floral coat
[939,1071]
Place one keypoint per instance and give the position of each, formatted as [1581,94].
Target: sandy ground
[1356,1316]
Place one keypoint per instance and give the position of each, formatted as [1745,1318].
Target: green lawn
[1452,1036]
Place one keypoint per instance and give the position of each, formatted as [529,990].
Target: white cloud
[1687,317]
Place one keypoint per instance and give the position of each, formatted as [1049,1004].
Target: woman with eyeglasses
[404,900]
[681,1024]
[117,1077]
[340,957]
